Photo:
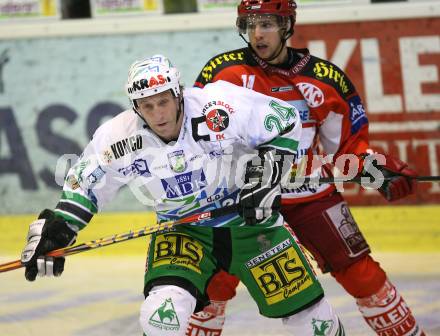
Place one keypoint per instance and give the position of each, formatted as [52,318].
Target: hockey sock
[209,321]
[319,319]
[387,313]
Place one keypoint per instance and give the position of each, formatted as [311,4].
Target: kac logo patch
[311,93]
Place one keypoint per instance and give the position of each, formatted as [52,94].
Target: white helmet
[151,76]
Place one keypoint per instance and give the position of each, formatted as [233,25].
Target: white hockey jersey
[222,127]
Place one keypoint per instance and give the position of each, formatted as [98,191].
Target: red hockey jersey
[332,114]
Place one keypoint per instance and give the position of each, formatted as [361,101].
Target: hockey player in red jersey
[333,118]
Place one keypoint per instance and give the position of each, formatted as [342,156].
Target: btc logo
[281,276]
[178,249]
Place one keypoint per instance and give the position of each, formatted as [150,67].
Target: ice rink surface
[101,296]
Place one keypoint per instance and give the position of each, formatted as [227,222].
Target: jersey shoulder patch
[330,74]
[221,62]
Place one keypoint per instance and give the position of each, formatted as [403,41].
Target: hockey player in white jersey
[188,152]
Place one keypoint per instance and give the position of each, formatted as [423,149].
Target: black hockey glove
[261,193]
[45,234]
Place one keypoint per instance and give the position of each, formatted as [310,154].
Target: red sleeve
[342,123]
[354,135]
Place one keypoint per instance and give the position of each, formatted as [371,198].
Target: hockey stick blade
[118,238]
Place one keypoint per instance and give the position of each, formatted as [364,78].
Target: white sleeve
[90,184]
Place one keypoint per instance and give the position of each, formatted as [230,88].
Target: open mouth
[261,47]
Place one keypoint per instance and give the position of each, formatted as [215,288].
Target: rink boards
[387,229]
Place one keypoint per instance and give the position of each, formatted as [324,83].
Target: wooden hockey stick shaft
[118,238]
[357,179]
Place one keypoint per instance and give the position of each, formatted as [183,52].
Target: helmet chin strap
[180,108]
[140,116]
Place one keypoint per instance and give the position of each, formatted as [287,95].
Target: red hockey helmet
[251,9]
[277,7]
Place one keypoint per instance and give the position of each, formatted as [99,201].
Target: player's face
[265,38]
[160,111]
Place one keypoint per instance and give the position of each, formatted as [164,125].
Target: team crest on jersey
[217,120]
[177,161]
[311,93]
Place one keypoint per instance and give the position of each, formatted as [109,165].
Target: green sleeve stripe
[70,218]
[282,143]
[81,200]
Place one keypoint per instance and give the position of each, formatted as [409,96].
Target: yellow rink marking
[387,229]
[14,229]
[400,228]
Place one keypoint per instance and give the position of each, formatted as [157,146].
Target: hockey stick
[356,179]
[117,238]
